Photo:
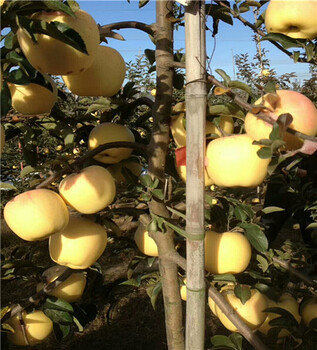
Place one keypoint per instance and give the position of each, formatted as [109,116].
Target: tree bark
[157,157]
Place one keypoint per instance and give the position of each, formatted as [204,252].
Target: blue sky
[231,40]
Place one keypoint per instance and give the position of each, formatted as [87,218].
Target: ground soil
[119,316]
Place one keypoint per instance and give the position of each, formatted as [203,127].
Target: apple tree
[224,167]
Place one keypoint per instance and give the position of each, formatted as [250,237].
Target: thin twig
[106,29]
[58,174]
[238,100]
[287,266]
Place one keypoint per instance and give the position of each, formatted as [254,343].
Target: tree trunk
[158,150]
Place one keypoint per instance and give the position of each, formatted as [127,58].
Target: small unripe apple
[220,246]
[32,99]
[110,132]
[179,132]
[144,242]
[88,191]
[251,312]
[297,19]
[287,302]
[301,108]
[49,55]
[117,170]
[2,140]
[69,290]
[79,245]
[103,78]
[36,214]
[309,311]
[233,161]
[37,327]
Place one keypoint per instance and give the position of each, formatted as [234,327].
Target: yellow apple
[49,55]
[179,132]
[116,170]
[37,327]
[212,304]
[183,290]
[36,214]
[287,302]
[251,312]
[69,290]
[33,98]
[233,161]
[144,242]
[79,245]
[297,18]
[3,137]
[90,190]
[153,92]
[301,108]
[103,78]
[309,311]
[110,132]
[220,246]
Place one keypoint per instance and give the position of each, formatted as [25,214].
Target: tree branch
[90,154]
[260,32]
[238,100]
[105,30]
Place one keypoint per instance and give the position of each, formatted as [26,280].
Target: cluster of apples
[100,72]
[74,241]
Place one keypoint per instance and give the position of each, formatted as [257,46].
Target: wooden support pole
[195,157]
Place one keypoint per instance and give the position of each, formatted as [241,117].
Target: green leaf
[5,99]
[143,3]
[286,41]
[271,209]
[224,76]
[237,340]
[65,329]
[239,85]
[152,226]
[227,277]
[270,87]
[7,186]
[176,229]
[146,180]
[265,153]
[158,193]
[59,6]
[239,213]
[26,171]
[59,316]
[150,55]
[78,324]
[275,133]
[18,76]
[255,236]
[57,304]
[176,212]
[264,265]
[10,40]
[243,293]
[221,341]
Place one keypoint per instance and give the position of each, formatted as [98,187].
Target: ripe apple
[33,98]
[69,290]
[90,190]
[183,290]
[103,78]
[220,246]
[309,311]
[144,242]
[297,19]
[37,327]
[212,304]
[287,302]
[116,170]
[79,245]
[179,132]
[3,137]
[233,161]
[49,55]
[251,312]
[110,132]
[36,214]
[301,108]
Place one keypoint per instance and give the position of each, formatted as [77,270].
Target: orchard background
[132,293]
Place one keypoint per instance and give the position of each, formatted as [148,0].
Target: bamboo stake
[195,154]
